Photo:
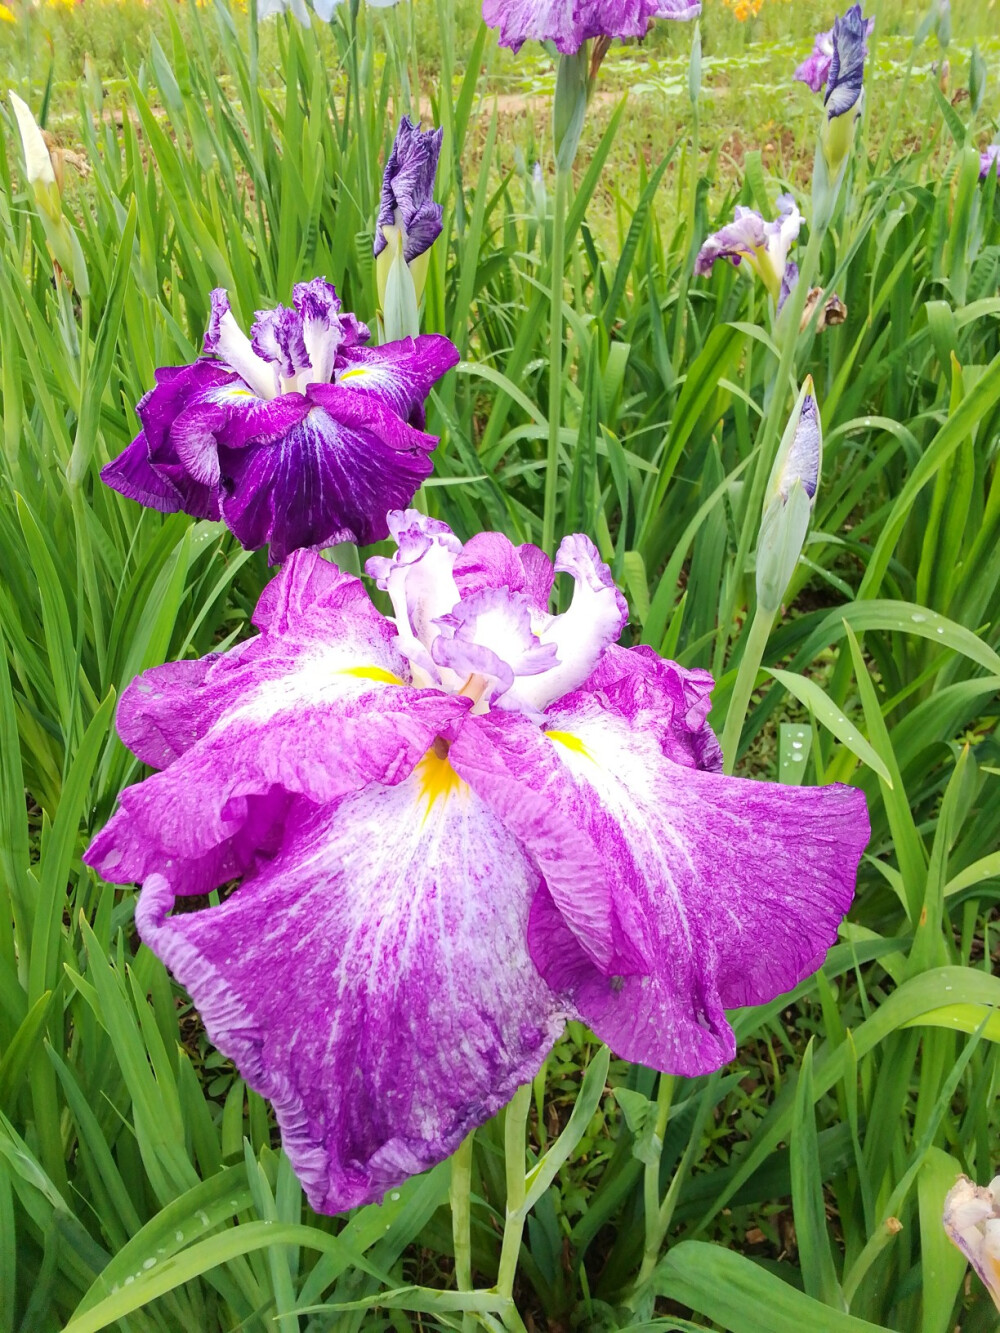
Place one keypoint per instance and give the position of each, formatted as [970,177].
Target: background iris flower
[989,160]
[523,823]
[570,23]
[764,246]
[298,436]
[815,69]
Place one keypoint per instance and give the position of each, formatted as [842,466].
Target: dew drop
[394,1195]
[918,618]
[202,1217]
[129,1280]
[178,1236]
[149,1263]
[798,758]
[940,629]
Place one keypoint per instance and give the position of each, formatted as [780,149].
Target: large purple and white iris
[570,23]
[454,829]
[298,436]
[763,245]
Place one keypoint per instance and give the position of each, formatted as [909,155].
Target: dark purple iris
[408,190]
[299,436]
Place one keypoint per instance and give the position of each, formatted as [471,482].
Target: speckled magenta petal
[672,893]
[372,981]
[569,23]
[250,729]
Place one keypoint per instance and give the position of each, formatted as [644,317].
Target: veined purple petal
[332,477]
[190,394]
[845,80]
[373,981]
[278,336]
[253,733]
[671,893]
[814,69]
[490,560]
[738,240]
[569,23]
[408,190]
[400,374]
[325,331]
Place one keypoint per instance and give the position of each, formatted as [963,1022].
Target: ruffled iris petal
[399,374]
[569,23]
[671,893]
[257,729]
[373,981]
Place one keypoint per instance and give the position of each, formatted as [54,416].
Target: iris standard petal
[595,618]
[259,724]
[407,199]
[845,79]
[373,981]
[683,893]
[491,560]
[331,477]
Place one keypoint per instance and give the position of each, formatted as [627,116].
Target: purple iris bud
[570,23]
[298,436]
[845,77]
[763,245]
[989,161]
[408,190]
[454,829]
[815,69]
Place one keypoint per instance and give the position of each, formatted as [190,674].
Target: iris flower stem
[651,1182]
[515,1126]
[558,257]
[770,433]
[460,1198]
[753,655]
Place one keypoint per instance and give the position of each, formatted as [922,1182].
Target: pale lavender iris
[298,436]
[815,69]
[570,23]
[989,160]
[408,190]
[763,245]
[453,830]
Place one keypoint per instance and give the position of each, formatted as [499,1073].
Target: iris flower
[815,69]
[296,436]
[570,23]
[989,160]
[454,828]
[764,246]
[409,222]
[972,1222]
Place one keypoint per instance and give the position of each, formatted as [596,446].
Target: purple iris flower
[764,246]
[845,76]
[453,830]
[815,69]
[408,190]
[989,161]
[570,23]
[299,436]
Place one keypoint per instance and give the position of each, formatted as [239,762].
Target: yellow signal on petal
[570,741]
[438,780]
[371,673]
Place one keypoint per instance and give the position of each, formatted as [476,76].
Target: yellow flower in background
[7,15]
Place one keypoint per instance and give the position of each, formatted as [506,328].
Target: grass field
[142,1184]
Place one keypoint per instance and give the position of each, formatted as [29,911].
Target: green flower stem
[557,266]
[515,1126]
[651,1183]
[753,655]
[460,1198]
[771,429]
